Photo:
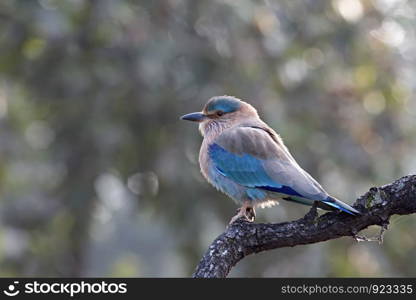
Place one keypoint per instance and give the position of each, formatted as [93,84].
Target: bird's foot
[250,214]
[246,212]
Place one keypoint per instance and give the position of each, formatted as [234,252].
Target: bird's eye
[219,113]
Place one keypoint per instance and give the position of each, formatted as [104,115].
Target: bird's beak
[194,117]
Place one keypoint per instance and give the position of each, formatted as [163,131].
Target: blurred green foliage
[98,177]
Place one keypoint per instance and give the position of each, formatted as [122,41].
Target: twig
[243,238]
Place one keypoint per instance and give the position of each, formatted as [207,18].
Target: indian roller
[246,159]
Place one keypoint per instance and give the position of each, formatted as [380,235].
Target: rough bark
[243,238]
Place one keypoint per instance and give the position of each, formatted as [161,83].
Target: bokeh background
[98,177]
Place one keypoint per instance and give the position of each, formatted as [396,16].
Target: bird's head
[222,112]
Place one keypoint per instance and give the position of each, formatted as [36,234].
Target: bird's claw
[250,214]
[245,212]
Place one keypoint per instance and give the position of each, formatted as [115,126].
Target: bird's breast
[204,160]
[215,178]
[209,171]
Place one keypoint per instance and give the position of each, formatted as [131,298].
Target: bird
[246,159]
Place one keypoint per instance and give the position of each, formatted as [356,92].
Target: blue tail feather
[331,201]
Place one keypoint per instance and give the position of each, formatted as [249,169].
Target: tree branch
[243,238]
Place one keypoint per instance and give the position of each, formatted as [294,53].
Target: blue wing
[246,170]
[256,158]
